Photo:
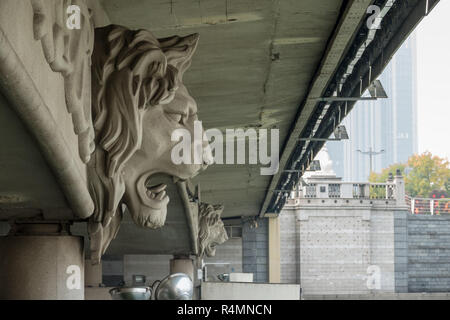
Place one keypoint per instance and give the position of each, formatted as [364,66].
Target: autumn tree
[423,173]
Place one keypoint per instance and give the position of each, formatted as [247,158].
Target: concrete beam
[344,32]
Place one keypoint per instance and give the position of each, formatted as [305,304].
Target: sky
[433,77]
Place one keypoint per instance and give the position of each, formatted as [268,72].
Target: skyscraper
[384,124]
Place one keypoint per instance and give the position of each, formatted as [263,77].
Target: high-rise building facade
[384,124]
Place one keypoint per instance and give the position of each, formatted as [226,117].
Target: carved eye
[175,117]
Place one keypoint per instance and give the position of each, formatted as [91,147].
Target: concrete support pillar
[41,262]
[92,274]
[274,250]
[184,265]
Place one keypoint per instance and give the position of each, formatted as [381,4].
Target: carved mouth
[152,195]
[157,192]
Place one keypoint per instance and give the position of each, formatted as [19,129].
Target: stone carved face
[138,101]
[211,229]
[147,201]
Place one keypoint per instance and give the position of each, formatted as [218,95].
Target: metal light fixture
[137,291]
[315,166]
[131,293]
[371,153]
[376,91]
[177,286]
[340,133]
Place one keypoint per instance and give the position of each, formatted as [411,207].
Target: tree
[429,173]
[423,174]
[383,176]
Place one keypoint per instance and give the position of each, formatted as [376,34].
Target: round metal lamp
[177,286]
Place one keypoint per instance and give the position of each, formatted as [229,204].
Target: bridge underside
[253,68]
[259,64]
[262,64]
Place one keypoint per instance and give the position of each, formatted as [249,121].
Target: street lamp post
[371,154]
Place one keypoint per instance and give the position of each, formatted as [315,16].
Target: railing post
[399,191]
[389,188]
[366,191]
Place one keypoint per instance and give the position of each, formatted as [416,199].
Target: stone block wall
[428,253]
[255,250]
[401,250]
[411,252]
[334,251]
[381,247]
[289,239]
[339,248]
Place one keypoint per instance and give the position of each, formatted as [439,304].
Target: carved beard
[150,220]
[147,205]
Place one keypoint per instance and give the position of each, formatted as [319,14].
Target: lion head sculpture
[138,100]
[211,231]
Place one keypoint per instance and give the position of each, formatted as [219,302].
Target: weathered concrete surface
[41,268]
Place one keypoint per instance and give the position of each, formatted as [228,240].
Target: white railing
[428,206]
[347,190]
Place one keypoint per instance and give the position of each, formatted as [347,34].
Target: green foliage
[425,174]
[383,176]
